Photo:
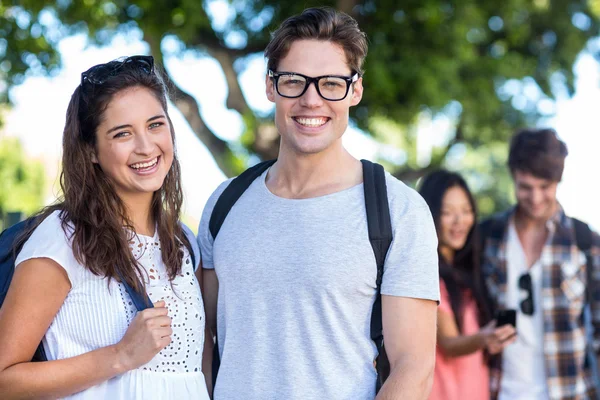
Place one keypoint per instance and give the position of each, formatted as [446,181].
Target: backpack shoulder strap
[380,234]
[492,226]
[485,228]
[140,301]
[583,235]
[143,301]
[583,238]
[232,193]
[378,213]
[195,253]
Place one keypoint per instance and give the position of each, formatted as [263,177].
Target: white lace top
[96,315]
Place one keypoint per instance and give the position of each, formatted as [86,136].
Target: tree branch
[412,174]
[188,106]
[266,138]
[210,42]
[235,98]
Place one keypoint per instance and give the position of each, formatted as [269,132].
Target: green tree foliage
[22,181]
[468,61]
[26,43]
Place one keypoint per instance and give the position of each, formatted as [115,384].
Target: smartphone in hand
[506,317]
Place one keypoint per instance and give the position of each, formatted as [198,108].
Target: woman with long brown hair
[117,227]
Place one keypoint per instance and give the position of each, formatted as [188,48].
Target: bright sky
[40,104]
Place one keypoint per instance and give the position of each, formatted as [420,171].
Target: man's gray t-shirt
[297,282]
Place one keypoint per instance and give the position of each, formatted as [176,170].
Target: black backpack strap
[583,238]
[140,301]
[232,193]
[583,235]
[380,235]
[494,226]
[485,229]
[195,251]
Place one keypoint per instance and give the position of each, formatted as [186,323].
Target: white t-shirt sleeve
[49,240]
[411,266]
[205,239]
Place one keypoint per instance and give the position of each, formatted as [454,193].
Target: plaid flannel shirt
[564,281]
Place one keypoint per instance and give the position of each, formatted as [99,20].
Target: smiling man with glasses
[545,265]
[297,279]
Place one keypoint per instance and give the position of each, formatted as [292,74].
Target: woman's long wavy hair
[91,212]
[465,271]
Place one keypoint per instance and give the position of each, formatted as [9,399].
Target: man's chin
[538,215]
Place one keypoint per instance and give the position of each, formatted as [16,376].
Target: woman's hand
[149,333]
[497,338]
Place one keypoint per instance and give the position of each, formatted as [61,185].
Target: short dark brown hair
[539,152]
[322,23]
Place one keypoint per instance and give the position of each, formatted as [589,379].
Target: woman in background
[465,329]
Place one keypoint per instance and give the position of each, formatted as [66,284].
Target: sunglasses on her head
[98,74]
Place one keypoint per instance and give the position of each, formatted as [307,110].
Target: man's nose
[311,97]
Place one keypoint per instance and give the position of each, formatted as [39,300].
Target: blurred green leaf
[22,181]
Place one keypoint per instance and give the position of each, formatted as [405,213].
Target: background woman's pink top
[466,377]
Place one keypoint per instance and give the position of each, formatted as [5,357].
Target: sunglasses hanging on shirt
[526,284]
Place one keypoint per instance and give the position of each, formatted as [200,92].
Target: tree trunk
[188,106]
[412,174]
[235,98]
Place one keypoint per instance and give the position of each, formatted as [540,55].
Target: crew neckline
[264,187]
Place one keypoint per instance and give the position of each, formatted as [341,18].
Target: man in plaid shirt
[531,263]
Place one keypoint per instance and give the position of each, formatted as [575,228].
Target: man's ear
[270,88]
[357,92]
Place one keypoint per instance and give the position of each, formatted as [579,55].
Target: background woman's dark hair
[89,202]
[464,272]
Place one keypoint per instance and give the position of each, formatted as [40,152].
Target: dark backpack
[380,236]
[7,268]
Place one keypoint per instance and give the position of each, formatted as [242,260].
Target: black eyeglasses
[329,87]
[525,283]
[98,74]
